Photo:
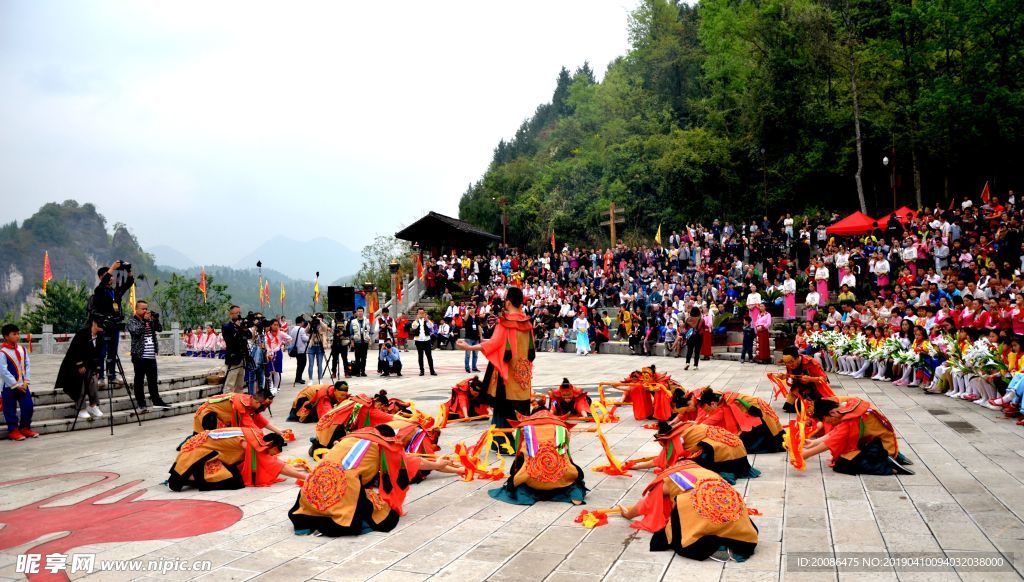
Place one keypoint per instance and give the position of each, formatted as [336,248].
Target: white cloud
[174,116]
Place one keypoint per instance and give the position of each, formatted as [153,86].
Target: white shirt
[821,273]
[789,287]
[753,299]
[812,299]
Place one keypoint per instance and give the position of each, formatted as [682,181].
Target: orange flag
[202,282]
[398,290]
[266,292]
[47,273]
[419,267]
[282,296]
[552,240]
[985,193]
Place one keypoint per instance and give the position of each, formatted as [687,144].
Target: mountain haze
[302,259]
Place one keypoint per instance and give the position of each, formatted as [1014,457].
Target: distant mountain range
[76,237]
[165,256]
[302,259]
[298,260]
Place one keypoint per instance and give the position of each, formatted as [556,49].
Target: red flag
[47,273]
[398,291]
[419,267]
[372,304]
[202,282]
[266,292]
[985,193]
[552,240]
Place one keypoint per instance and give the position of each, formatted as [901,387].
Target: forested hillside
[730,107]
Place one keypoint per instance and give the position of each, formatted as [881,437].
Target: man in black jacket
[143,327]
[472,325]
[236,347]
[78,370]
[106,303]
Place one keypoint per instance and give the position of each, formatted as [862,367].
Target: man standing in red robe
[510,353]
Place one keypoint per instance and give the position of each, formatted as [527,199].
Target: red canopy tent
[856,223]
[902,213]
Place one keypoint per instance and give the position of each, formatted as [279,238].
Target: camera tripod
[110,398]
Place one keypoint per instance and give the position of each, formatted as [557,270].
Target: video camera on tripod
[254,321]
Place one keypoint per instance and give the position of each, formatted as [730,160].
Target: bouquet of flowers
[940,346]
[905,357]
[839,343]
[817,339]
[982,358]
[886,350]
[858,346]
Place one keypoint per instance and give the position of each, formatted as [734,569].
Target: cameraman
[319,332]
[143,327]
[105,304]
[236,347]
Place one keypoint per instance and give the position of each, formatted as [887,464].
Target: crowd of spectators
[934,258]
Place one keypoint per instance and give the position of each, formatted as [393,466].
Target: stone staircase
[54,411]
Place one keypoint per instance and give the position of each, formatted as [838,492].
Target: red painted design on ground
[91,522]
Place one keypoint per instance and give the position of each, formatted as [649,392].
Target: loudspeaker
[341,298]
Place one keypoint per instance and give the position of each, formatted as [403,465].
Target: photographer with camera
[236,338]
[143,327]
[339,347]
[319,332]
[105,304]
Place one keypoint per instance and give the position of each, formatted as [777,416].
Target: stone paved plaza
[966,495]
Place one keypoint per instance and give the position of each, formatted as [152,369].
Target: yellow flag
[131,298]
[657,237]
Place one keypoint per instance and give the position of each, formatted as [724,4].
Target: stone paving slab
[966,496]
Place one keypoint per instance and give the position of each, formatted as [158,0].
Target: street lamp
[892,176]
[503,203]
[764,177]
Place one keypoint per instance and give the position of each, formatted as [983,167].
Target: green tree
[64,306]
[377,257]
[178,298]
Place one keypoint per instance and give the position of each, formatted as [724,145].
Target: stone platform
[182,383]
[966,496]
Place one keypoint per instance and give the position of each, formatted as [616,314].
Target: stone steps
[66,409]
[54,411]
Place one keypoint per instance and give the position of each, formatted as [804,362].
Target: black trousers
[693,346]
[145,371]
[300,366]
[424,348]
[359,367]
[342,352]
[395,368]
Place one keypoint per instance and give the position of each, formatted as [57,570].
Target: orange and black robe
[798,388]
[416,440]
[467,401]
[313,401]
[711,447]
[355,413]
[239,410]
[359,486]
[509,376]
[569,400]
[694,511]
[225,458]
[749,417]
[543,469]
[862,440]
[650,393]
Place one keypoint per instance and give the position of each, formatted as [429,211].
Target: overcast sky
[179,117]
